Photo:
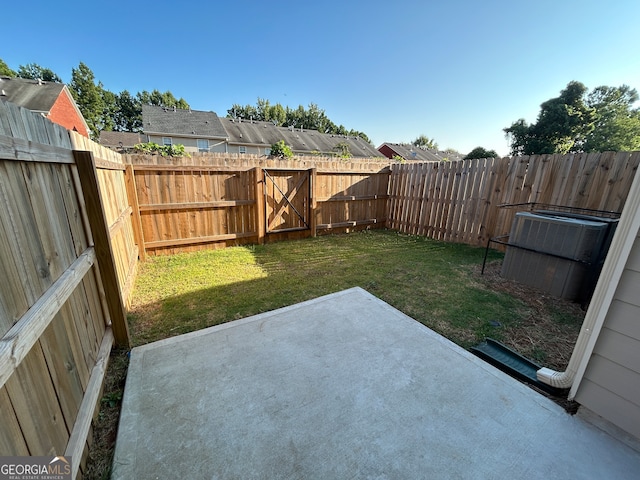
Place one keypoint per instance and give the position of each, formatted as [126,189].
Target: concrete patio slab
[343,387]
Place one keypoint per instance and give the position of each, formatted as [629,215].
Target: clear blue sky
[458,71]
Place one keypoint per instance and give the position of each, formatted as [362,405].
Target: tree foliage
[174,150]
[605,119]
[425,142]
[127,116]
[342,148]
[101,108]
[160,99]
[312,118]
[281,150]
[89,96]
[106,110]
[35,71]
[617,123]
[5,71]
[480,152]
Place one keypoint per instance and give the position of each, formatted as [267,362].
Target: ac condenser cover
[555,254]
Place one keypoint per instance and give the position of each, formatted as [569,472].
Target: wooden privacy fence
[219,200]
[61,305]
[76,217]
[115,185]
[463,201]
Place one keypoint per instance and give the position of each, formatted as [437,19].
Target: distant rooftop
[177,121]
[251,132]
[34,95]
[121,140]
[412,152]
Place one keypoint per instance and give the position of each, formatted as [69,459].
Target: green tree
[425,142]
[311,118]
[562,125]
[109,110]
[281,150]
[5,71]
[343,150]
[480,152]
[160,99]
[128,113]
[617,123]
[89,96]
[35,71]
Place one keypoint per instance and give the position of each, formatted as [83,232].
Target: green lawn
[434,282]
[438,284]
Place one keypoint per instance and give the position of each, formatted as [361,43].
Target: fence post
[100,229]
[312,201]
[132,194]
[260,210]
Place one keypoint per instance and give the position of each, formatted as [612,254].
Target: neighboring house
[249,136]
[198,131]
[51,99]
[419,154]
[206,132]
[121,141]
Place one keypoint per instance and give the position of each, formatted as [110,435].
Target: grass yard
[438,284]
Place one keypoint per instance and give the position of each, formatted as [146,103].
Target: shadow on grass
[427,280]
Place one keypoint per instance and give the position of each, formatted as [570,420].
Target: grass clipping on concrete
[438,284]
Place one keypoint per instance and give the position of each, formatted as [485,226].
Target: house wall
[64,113]
[191,144]
[610,386]
[386,151]
[250,149]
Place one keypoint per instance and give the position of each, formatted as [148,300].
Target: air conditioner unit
[555,254]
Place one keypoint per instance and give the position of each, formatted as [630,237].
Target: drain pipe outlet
[565,379]
[614,264]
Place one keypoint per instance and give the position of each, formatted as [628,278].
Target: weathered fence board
[76,217]
[118,208]
[462,201]
[53,308]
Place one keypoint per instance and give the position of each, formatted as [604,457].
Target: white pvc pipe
[612,270]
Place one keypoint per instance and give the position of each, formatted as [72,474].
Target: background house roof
[411,152]
[179,122]
[34,95]
[248,132]
[119,140]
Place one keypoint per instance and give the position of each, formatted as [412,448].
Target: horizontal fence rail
[77,217]
[57,316]
[465,201]
[218,200]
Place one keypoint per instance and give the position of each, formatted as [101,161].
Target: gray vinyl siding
[611,383]
[190,144]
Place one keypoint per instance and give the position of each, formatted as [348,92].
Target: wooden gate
[287,199]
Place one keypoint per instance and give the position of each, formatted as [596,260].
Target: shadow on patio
[343,386]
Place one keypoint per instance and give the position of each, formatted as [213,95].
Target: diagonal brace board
[286,199]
